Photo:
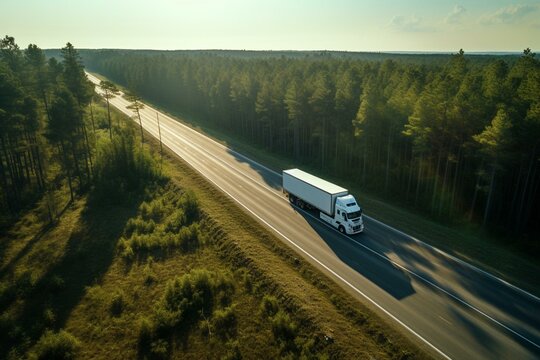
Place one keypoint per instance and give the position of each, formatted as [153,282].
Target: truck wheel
[300,204]
[341,229]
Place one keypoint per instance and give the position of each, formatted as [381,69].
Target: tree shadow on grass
[89,253]
[29,245]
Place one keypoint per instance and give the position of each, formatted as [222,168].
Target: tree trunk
[443,187]
[487,209]
[140,124]
[388,150]
[454,182]
[525,187]
[88,150]
[68,172]
[92,119]
[418,180]
[109,118]
[436,182]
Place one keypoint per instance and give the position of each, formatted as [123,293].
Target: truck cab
[336,206]
[347,215]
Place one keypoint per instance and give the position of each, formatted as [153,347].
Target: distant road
[455,310]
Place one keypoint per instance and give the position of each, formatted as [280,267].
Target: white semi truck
[336,206]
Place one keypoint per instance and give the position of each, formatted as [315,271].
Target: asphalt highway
[451,308]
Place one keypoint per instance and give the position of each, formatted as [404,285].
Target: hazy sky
[356,25]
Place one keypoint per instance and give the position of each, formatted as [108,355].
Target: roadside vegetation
[445,150]
[110,254]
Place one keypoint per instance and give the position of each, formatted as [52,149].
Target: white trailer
[334,203]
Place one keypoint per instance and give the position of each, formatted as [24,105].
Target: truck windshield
[354,215]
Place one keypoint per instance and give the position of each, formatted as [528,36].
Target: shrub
[139,226]
[121,169]
[224,322]
[49,317]
[153,210]
[233,351]
[176,221]
[165,320]
[188,297]
[61,345]
[149,275]
[145,242]
[189,203]
[25,283]
[96,294]
[283,328]
[189,293]
[146,333]
[160,349]
[248,282]
[125,250]
[118,304]
[56,283]
[269,306]
[189,238]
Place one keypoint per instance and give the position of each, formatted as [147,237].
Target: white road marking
[446,321]
[470,306]
[330,270]
[364,246]
[429,282]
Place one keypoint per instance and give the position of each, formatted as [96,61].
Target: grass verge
[176,271]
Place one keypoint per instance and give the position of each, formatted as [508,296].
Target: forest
[49,141]
[44,140]
[106,254]
[455,137]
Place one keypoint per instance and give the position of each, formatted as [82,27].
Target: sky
[351,25]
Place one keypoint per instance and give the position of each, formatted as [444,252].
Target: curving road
[457,311]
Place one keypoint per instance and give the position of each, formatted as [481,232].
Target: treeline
[458,140]
[43,136]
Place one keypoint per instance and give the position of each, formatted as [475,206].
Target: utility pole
[160,143]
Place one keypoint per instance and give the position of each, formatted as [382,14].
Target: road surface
[454,309]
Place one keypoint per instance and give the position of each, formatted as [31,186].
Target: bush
[269,306]
[25,283]
[165,320]
[152,211]
[176,221]
[139,226]
[248,282]
[121,169]
[148,272]
[233,351]
[186,298]
[61,345]
[189,293]
[125,250]
[189,203]
[146,333]
[224,322]
[283,328]
[189,238]
[56,283]
[118,304]
[49,317]
[160,349]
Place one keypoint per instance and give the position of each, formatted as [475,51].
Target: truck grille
[357,228]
